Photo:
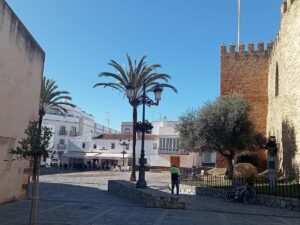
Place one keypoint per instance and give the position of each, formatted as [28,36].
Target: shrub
[248,157]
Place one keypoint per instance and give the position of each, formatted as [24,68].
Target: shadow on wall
[289,148]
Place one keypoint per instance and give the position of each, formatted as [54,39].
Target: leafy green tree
[222,126]
[135,75]
[34,146]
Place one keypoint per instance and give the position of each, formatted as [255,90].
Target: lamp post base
[141,184]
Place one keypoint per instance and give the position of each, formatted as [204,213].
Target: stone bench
[150,197]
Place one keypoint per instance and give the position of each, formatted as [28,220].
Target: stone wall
[283,119]
[265,200]
[149,197]
[21,69]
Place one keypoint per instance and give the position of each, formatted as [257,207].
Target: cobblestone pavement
[82,199]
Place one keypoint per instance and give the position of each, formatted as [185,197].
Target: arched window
[277,80]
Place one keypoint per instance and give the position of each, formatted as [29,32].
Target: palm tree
[50,98]
[135,75]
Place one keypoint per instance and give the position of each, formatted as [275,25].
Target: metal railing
[62,132]
[73,133]
[283,188]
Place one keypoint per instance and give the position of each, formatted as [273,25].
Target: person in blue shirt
[175,174]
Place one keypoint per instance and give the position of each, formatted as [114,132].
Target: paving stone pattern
[82,199]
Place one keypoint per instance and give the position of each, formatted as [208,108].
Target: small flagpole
[239,16]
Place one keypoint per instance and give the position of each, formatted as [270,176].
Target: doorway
[175,160]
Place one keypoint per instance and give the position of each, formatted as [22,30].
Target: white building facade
[161,148]
[67,127]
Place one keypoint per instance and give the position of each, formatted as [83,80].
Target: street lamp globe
[129,90]
[157,92]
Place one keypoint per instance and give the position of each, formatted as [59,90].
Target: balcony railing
[62,132]
[61,146]
[171,151]
[73,133]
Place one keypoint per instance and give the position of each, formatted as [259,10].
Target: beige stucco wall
[283,118]
[21,68]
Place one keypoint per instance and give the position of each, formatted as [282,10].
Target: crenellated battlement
[260,48]
[285,6]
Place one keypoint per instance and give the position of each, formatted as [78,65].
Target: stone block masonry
[150,197]
[283,120]
[246,72]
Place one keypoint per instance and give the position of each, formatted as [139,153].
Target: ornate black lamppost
[143,126]
[124,143]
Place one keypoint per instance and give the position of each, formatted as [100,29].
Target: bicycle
[244,192]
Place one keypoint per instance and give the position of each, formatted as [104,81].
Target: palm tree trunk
[134,120]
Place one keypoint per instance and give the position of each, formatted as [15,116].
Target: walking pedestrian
[175,174]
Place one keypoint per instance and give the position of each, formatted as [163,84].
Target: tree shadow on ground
[290,169]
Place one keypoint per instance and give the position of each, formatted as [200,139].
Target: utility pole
[107,118]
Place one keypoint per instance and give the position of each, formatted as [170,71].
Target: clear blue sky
[80,37]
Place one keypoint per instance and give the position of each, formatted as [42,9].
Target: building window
[127,147]
[94,146]
[62,130]
[206,157]
[154,145]
[62,141]
[277,81]
[83,144]
[113,145]
[73,131]
[168,144]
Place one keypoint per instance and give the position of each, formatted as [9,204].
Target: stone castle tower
[246,72]
[269,79]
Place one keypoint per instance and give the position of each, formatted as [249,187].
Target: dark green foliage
[248,157]
[143,127]
[221,125]
[36,144]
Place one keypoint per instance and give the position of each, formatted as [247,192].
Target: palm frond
[116,86]
[118,77]
[51,97]
[120,69]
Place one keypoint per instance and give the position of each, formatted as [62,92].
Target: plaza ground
[81,198]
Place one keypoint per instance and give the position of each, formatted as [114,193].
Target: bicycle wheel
[230,195]
[249,196]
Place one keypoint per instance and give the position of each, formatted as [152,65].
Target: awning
[113,155]
[82,155]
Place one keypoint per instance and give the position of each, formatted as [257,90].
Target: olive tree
[222,126]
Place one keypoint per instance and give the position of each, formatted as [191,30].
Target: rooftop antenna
[239,18]
[107,118]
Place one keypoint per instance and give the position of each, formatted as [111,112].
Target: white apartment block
[67,127]
[161,149]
